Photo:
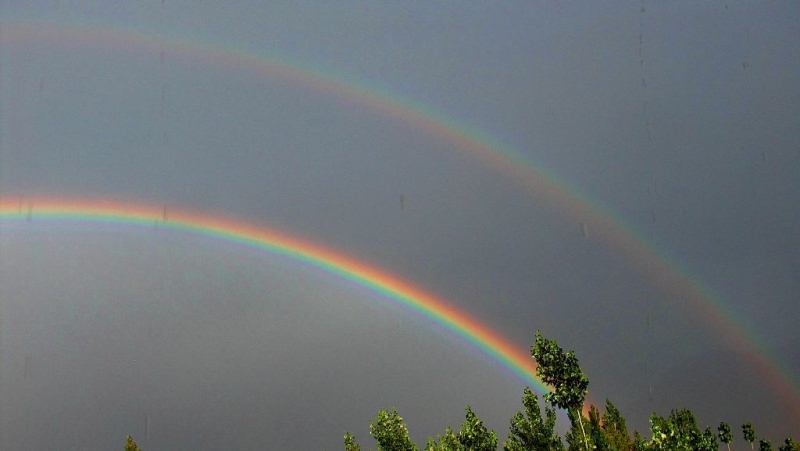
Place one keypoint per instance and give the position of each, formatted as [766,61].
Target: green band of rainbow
[237,231]
[544,186]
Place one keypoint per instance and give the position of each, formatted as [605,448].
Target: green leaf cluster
[560,370]
[473,436]
[530,430]
[130,445]
[390,432]
[679,431]
[615,429]
[725,436]
[350,443]
[790,445]
[749,433]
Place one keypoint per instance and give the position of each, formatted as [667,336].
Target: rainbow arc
[388,286]
[545,187]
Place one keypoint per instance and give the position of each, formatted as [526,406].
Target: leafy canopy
[390,432]
[560,370]
[749,433]
[130,445]
[530,431]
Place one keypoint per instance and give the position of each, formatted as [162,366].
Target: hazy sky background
[220,347]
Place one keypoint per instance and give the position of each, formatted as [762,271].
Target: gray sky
[220,346]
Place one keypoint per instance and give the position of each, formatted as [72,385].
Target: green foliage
[749,433]
[680,432]
[350,443]
[639,443]
[534,430]
[446,442]
[574,437]
[474,436]
[707,441]
[530,431]
[725,436]
[597,436]
[616,431]
[390,432]
[560,370]
[130,445]
[790,445]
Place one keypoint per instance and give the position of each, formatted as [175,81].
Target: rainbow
[543,186]
[391,287]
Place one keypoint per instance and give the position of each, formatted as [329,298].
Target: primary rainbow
[544,186]
[261,237]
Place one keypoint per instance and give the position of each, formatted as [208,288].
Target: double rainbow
[545,187]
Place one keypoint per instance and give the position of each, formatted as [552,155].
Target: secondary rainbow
[544,186]
[268,239]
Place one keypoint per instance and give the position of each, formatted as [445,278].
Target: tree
[447,442]
[529,431]
[667,434]
[749,433]
[596,433]
[615,429]
[707,441]
[474,436]
[575,436]
[561,370]
[639,443]
[790,445]
[680,432]
[130,445]
[532,429]
[390,432]
[724,430]
[350,443]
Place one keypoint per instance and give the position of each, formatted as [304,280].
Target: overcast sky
[679,118]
